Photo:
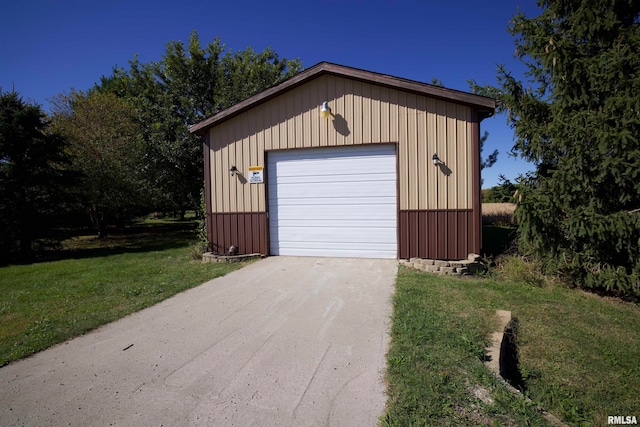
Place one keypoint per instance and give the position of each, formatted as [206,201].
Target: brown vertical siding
[462,228]
[246,230]
[442,240]
[435,234]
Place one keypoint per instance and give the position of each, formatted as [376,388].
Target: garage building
[338,161]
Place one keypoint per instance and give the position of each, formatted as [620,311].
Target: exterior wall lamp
[233,170]
[325,110]
[436,160]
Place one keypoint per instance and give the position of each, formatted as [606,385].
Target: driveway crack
[315,371]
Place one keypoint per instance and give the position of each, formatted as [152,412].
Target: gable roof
[486,106]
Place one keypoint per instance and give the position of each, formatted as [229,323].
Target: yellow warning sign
[255,174]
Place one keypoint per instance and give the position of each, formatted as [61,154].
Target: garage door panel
[336,169]
[344,252]
[317,160]
[332,224]
[333,202]
[325,249]
[308,214]
[327,246]
[334,178]
[340,246]
[289,235]
[332,213]
[303,190]
[338,201]
[337,166]
[336,152]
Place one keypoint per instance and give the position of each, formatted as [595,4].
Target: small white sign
[255,175]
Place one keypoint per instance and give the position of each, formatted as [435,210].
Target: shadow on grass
[497,240]
[146,236]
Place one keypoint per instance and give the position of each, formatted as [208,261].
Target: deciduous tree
[190,83]
[106,151]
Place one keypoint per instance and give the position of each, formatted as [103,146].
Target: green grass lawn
[94,281]
[579,353]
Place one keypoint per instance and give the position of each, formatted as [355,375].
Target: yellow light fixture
[325,111]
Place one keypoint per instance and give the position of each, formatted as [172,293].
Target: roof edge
[485,105]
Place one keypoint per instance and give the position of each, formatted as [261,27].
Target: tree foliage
[492,158]
[578,120]
[106,150]
[504,192]
[33,176]
[187,85]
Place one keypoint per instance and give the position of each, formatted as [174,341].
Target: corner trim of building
[475,184]
[207,187]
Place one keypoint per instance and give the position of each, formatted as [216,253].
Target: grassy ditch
[95,281]
[578,352]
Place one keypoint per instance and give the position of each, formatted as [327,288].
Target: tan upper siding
[440,199]
[340,104]
[451,159]
[463,164]
[432,171]
[363,113]
[403,152]
[422,153]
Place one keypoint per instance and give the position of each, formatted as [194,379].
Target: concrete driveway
[283,342]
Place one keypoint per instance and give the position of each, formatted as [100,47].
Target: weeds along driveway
[283,341]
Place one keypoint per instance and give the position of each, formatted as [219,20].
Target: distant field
[498,213]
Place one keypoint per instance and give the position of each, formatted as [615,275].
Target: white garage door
[338,202]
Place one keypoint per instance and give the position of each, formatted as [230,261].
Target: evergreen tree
[578,120]
[33,178]
[491,158]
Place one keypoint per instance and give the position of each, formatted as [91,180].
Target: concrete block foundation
[466,267]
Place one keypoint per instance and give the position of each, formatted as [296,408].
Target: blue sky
[50,46]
